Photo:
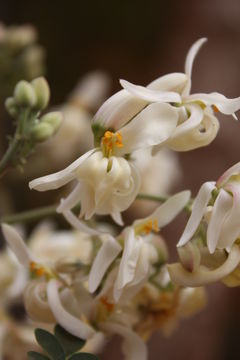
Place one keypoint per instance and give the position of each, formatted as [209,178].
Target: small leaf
[83,356]
[50,344]
[33,355]
[69,342]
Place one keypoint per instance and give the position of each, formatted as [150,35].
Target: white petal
[202,276]
[198,209]
[231,226]
[233,170]
[224,105]
[117,217]
[79,224]
[60,178]
[166,212]
[118,110]
[152,126]
[133,346]
[199,136]
[105,256]
[192,122]
[71,200]
[128,262]
[170,82]
[17,245]
[190,60]
[221,207]
[73,325]
[149,94]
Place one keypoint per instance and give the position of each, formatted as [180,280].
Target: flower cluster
[102,281]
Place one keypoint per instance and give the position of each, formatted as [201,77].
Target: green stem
[8,157]
[39,213]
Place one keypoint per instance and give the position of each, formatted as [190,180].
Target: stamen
[110,140]
[215,109]
[147,227]
[36,270]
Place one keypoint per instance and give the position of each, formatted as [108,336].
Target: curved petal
[117,217]
[71,200]
[223,104]
[166,212]
[189,62]
[127,268]
[72,324]
[202,276]
[170,82]
[152,126]
[17,245]
[221,207]
[149,94]
[109,250]
[199,136]
[118,110]
[192,122]
[60,178]
[79,224]
[231,227]
[133,346]
[198,209]
[233,170]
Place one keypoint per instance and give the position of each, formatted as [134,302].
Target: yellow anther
[36,270]
[215,109]
[110,140]
[147,227]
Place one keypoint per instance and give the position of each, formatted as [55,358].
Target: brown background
[140,40]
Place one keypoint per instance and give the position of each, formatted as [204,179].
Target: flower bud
[54,119]
[35,301]
[42,131]
[233,279]
[161,247]
[189,256]
[11,107]
[42,92]
[24,94]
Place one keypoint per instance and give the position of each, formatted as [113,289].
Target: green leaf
[69,342]
[83,356]
[33,355]
[50,344]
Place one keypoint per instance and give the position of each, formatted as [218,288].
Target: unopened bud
[233,279]
[42,132]
[189,256]
[54,119]
[42,92]
[11,107]
[24,94]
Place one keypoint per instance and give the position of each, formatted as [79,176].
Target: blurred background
[139,41]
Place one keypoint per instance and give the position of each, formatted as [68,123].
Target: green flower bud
[11,107]
[24,94]
[42,132]
[54,119]
[42,92]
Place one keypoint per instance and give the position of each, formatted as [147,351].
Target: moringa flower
[107,182]
[197,125]
[139,247]
[217,210]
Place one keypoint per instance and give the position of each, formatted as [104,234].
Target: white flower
[37,291]
[107,182]
[223,228]
[140,250]
[197,125]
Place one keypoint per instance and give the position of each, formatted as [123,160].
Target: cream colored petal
[56,180]
[203,276]
[198,209]
[72,324]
